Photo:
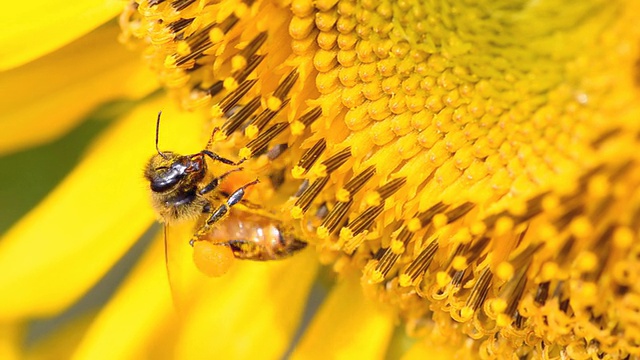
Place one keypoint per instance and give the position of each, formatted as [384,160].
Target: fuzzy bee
[182,188]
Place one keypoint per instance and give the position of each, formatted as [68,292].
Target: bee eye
[165,180]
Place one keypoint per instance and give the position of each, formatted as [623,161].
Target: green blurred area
[27,176]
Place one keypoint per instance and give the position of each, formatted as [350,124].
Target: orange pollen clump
[211,259]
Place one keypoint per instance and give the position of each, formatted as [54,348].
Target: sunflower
[469,170]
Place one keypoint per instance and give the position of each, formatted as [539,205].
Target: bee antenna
[157,133]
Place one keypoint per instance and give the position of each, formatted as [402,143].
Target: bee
[180,191]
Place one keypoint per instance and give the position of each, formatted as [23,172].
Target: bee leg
[243,249]
[248,250]
[213,135]
[216,157]
[216,181]
[219,213]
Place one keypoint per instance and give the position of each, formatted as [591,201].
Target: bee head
[167,171]
[170,171]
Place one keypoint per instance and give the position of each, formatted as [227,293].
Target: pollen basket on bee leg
[212,259]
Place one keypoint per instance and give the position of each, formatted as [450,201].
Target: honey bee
[180,191]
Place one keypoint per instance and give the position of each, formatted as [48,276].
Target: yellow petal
[141,307]
[250,313]
[142,312]
[34,28]
[64,245]
[182,272]
[10,338]
[348,326]
[45,98]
